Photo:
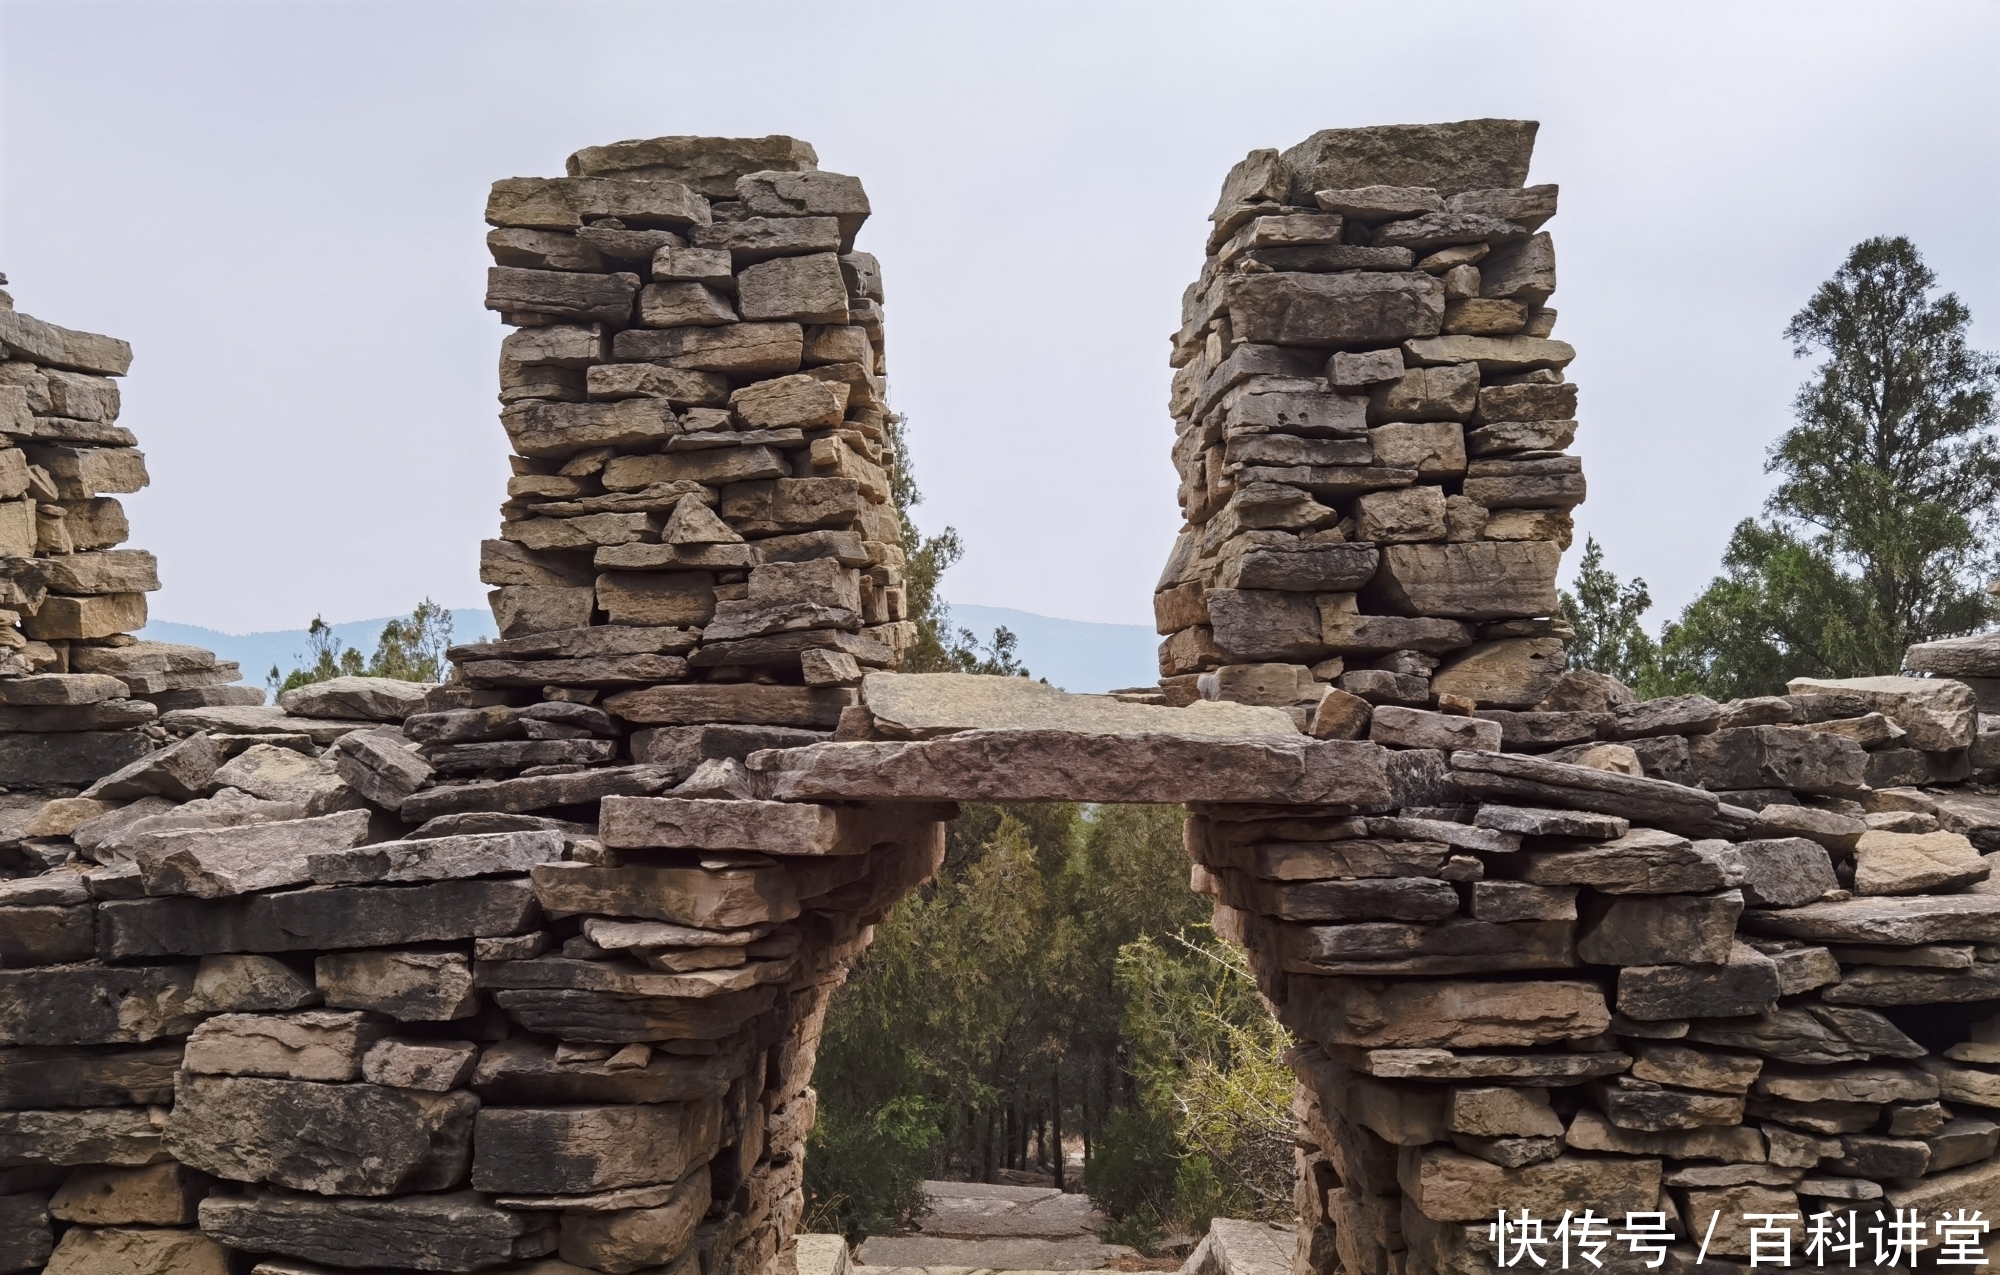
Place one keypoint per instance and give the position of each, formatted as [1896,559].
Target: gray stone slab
[1048,765]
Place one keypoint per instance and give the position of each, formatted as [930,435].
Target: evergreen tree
[1605,615]
[413,649]
[1878,533]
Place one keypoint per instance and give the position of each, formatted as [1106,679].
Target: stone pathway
[974,1227]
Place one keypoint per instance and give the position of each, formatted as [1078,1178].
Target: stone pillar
[1370,417]
[1656,960]
[80,697]
[443,978]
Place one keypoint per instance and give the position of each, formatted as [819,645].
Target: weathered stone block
[456,1232]
[154,1195]
[1483,580]
[342,1139]
[137,1251]
[1452,1014]
[630,1240]
[407,986]
[1336,310]
[1652,930]
[314,919]
[1450,1186]
[314,1045]
[87,1005]
[572,1150]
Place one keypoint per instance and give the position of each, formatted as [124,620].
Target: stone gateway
[526,972]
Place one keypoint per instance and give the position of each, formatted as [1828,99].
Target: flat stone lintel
[1053,765]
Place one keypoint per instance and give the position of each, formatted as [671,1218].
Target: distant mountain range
[1073,654]
[286,648]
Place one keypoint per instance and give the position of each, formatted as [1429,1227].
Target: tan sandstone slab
[1452,1014]
[1449,1186]
[928,705]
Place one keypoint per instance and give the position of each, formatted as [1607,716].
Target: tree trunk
[986,1152]
[1055,1108]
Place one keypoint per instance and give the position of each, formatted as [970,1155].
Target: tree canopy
[1879,531]
[410,647]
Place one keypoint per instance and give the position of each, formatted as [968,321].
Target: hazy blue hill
[1073,654]
[286,648]
[1076,655]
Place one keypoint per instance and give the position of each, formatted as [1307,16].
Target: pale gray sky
[279,205]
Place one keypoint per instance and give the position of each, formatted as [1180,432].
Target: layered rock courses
[526,972]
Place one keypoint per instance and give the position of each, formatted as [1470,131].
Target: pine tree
[1878,534]
[1605,615]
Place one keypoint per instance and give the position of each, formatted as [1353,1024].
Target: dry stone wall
[79,696]
[1370,419]
[526,972]
[1674,961]
[393,977]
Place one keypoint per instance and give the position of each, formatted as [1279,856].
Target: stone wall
[1678,958]
[79,696]
[409,978]
[526,972]
[1369,420]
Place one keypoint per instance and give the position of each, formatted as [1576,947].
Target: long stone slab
[319,918]
[127,1136]
[930,705]
[1675,807]
[214,863]
[335,1139]
[438,858]
[1052,765]
[524,1071]
[456,1232]
[87,1076]
[1905,921]
[537,792]
[91,1005]
[765,827]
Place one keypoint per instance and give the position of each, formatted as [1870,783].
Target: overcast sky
[279,205]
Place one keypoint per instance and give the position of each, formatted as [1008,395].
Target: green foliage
[1605,615]
[1780,609]
[1045,973]
[1207,1051]
[1878,533]
[866,1173]
[940,647]
[1131,1172]
[411,649]
[327,658]
[947,1018]
[1037,991]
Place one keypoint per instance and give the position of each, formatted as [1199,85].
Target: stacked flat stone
[1370,421]
[699,553]
[1637,955]
[79,696]
[403,978]
[694,395]
[394,978]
